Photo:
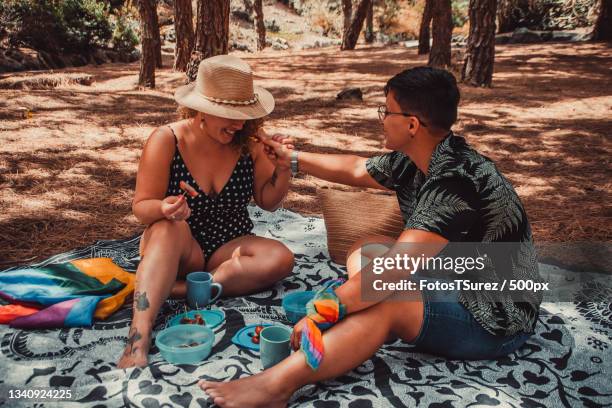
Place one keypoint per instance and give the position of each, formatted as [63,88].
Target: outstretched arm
[345,169]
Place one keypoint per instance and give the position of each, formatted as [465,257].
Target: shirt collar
[443,150]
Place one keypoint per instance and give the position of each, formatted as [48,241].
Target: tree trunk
[259,23]
[248,7]
[424,30]
[183,27]
[158,42]
[480,50]
[603,24]
[347,12]
[350,37]
[442,30]
[212,33]
[148,57]
[369,32]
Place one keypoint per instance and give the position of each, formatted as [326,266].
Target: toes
[220,401]
[205,385]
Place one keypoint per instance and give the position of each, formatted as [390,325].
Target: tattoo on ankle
[140,301]
[134,336]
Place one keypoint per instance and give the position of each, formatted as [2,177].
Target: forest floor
[67,174]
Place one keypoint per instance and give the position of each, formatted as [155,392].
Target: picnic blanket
[567,363]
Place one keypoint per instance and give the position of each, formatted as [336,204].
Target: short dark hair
[430,93]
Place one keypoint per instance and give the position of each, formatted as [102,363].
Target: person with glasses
[448,193]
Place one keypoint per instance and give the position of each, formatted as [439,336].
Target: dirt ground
[67,174]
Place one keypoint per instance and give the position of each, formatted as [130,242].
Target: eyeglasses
[383,113]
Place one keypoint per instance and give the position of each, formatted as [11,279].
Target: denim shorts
[449,330]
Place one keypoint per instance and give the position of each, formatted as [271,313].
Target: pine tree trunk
[347,13]
[158,42]
[259,22]
[369,32]
[480,50]
[442,30]
[424,29]
[350,37]
[148,57]
[212,33]
[603,24]
[248,7]
[183,27]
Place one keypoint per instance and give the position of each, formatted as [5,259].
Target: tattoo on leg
[134,336]
[140,301]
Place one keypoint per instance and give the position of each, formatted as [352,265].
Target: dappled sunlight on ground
[67,175]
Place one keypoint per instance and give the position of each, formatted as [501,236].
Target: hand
[175,208]
[296,334]
[278,148]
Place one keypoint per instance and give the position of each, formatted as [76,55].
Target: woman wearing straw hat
[212,149]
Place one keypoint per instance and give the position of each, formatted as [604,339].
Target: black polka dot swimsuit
[216,220]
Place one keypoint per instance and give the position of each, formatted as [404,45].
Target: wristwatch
[294,162]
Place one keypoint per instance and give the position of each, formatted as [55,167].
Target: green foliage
[70,26]
[460,12]
[124,37]
[33,23]
[558,14]
[86,24]
[387,13]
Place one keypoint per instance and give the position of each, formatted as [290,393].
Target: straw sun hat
[224,87]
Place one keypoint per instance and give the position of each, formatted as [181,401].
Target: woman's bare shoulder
[161,142]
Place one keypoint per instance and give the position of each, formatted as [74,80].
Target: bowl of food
[185,343]
[209,318]
[294,304]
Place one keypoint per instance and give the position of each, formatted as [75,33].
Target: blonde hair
[241,138]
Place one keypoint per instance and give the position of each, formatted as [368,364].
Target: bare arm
[425,243]
[338,168]
[150,203]
[271,178]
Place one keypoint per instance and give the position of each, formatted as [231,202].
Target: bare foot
[136,350]
[251,392]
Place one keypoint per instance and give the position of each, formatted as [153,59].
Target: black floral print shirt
[465,198]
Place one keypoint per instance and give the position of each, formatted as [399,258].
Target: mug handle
[219,291]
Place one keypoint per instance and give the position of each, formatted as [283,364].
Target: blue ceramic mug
[274,345]
[199,288]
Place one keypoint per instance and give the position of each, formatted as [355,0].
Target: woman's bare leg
[347,344]
[364,250]
[250,263]
[167,247]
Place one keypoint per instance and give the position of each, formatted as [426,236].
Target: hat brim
[186,95]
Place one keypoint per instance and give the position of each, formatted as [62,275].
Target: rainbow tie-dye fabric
[322,312]
[67,294]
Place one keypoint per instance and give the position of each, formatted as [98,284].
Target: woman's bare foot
[137,349]
[252,392]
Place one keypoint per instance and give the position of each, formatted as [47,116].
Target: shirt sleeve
[388,169]
[447,207]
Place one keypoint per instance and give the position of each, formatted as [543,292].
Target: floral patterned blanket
[567,363]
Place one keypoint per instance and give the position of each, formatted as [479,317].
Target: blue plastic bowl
[295,305]
[213,318]
[168,342]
